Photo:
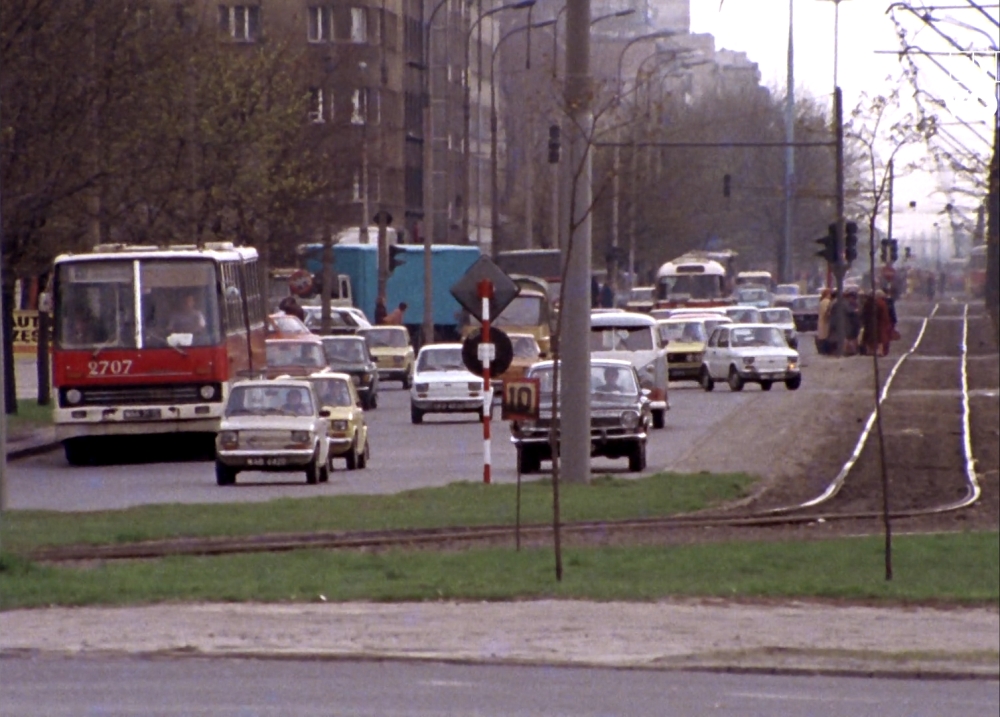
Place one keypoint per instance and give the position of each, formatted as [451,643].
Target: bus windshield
[692,286]
[96,304]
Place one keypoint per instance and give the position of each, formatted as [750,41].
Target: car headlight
[74,396]
[630,419]
[397,360]
[339,425]
[421,387]
[648,371]
[748,360]
[366,377]
[695,358]
[207,392]
[475,385]
[793,364]
[229,439]
[301,436]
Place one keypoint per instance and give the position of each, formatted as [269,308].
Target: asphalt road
[444,449]
[118,686]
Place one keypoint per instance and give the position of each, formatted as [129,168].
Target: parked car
[273,426]
[350,355]
[294,357]
[634,337]
[685,339]
[348,433]
[750,353]
[343,320]
[620,416]
[805,312]
[286,326]
[442,384]
[393,354]
[782,318]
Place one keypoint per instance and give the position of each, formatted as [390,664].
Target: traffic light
[553,144]
[725,185]
[893,249]
[909,252]
[851,242]
[884,251]
[829,244]
[394,260]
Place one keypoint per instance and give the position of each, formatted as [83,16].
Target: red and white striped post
[485,356]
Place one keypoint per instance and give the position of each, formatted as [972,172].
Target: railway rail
[840,501]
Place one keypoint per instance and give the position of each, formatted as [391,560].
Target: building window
[240,22]
[356,188]
[320,24]
[359,24]
[316,105]
[359,106]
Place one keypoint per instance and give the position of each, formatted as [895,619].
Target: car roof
[326,373]
[304,339]
[684,319]
[522,336]
[435,347]
[593,362]
[272,382]
[621,318]
[342,337]
[384,327]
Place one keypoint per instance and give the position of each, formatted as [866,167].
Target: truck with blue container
[406,281]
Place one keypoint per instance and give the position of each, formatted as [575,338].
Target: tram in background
[698,278]
[147,340]
[975,272]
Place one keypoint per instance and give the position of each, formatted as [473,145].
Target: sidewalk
[790,638]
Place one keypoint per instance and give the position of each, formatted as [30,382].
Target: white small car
[273,426]
[635,338]
[442,384]
[749,353]
[783,319]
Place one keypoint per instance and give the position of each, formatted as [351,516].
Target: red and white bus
[147,340]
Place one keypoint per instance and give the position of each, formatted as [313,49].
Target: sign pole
[486,293]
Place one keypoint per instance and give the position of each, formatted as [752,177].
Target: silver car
[635,338]
[273,426]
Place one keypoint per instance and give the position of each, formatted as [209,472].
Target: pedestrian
[607,296]
[291,307]
[823,322]
[930,286]
[877,329]
[380,310]
[595,293]
[396,317]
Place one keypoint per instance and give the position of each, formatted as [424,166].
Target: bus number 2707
[113,368]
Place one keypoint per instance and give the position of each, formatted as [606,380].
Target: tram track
[829,506]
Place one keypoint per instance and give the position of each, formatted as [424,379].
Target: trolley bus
[147,340]
[692,281]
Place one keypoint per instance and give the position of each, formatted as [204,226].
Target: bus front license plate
[139,414]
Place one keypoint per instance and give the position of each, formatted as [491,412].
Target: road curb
[34,449]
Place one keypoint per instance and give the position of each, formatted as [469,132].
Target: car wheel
[765,385]
[373,400]
[365,455]
[78,452]
[637,458]
[735,382]
[224,475]
[659,418]
[481,414]
[313,471]
[793,383]
[324,472]
[528,461]
[706,379]
[416,415]
[407,381]
[352,457]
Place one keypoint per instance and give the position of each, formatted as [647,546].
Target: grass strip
[960,568]
[466,503]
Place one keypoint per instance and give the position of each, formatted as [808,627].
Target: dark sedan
[805,312]
[350,355]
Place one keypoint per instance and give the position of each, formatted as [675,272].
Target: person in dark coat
[291,307]
[380,311]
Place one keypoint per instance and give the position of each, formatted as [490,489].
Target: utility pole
[574,441]
[839,268]
[785,267]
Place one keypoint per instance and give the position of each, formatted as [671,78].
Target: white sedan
[749,353]
[442,384]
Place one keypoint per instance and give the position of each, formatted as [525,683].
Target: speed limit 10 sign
[519,401]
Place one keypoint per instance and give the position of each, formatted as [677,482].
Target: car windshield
[387,338]
[787,290]
[604,379]
[332,391]
[295,353]
[269,400]
[286,324]
[522,311]
[744,316]
[776,316]
[641,294]
[806,303]
[621,338]
[756,336]
[440,360]
[683,331]
[338,320]
[525,347]
[344,350]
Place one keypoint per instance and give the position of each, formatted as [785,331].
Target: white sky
[760,28]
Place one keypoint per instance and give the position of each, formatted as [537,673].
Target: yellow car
[685,339]
[390,347]
[348,433]
[526,354]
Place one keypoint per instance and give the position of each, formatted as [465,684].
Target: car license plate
[138,414]
[456,406]
[267,462]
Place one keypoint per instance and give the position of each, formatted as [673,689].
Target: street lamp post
[467,106]
[494,178]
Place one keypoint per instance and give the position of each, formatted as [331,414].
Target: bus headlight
[207,392]
[74,396]
[229,439]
